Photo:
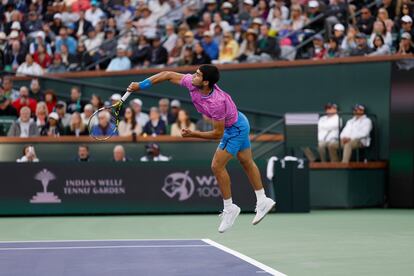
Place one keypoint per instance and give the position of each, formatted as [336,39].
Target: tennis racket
[103,124]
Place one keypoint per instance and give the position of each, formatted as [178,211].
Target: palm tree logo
[45,176]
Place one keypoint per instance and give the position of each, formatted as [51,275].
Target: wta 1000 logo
[182,186]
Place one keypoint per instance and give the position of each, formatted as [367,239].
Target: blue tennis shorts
[236,137]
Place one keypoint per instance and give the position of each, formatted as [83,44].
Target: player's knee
[246,163]
[216,167]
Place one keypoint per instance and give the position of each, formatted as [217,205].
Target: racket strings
[104,123]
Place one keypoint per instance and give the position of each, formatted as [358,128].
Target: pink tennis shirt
[217,106]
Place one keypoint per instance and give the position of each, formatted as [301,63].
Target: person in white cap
[141,117]
[53,126]
[115,98]
[407,25]
[56,24]
[245,14]
[336,12]
[121,61]
[339,32]
[40,40]
[406,44]
[175,108]
[314,12]
[227,12]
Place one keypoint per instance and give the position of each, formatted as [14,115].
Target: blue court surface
[126,258]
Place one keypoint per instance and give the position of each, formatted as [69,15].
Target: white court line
[244,258]
[103,247]
[31,241]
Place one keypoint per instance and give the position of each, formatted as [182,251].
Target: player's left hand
[185,132]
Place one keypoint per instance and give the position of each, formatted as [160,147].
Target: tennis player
[230,125]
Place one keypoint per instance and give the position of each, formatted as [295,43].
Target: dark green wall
[188,151]
[280,90]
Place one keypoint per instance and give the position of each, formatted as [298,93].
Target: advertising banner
[102,188]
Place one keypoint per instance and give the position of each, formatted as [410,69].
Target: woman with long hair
[384,17]
[50,100]
[380,29]
[297,18]
[199,55]
[129,126]
[275,19]
[76,126]
[96,102]
[183,121]
[263,9]
[381,48]
[228,49]
[41,57]
[41,115]
[349,41]
[248,48]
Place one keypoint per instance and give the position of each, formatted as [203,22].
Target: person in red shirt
[50,99]
[42,57]
[24,100]
[319,50]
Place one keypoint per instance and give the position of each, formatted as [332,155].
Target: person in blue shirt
[104,127]
[210,47]
[121,61]
[69,41]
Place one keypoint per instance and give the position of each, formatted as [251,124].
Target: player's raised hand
[134,86]
[185,132]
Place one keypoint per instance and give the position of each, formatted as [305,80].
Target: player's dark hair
[210,74]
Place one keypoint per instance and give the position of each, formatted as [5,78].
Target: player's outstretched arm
[215,134]
[170,76]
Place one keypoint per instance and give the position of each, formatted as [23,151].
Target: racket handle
[125,96]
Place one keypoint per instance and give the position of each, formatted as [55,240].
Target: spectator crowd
[119,154]
[42,113]
[38,37]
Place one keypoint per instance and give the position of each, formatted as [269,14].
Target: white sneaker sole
[266,212]
[238,213]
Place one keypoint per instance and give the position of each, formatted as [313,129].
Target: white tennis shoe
[262,208]
[228,216]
